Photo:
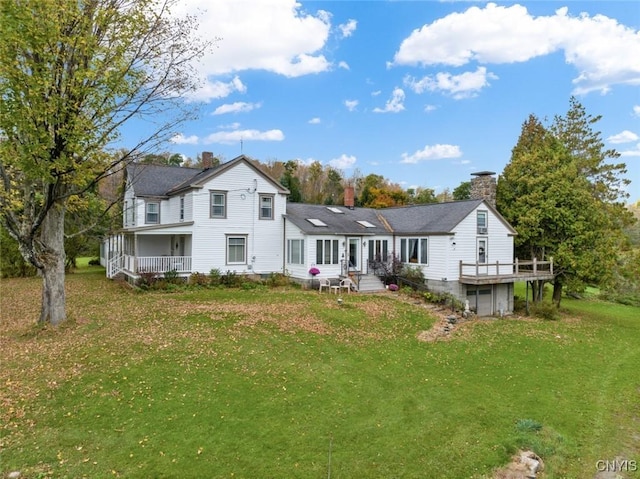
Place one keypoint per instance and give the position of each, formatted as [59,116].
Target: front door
[353,253]
[482,256]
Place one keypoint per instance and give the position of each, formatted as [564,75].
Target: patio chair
[324,283]
[347,284]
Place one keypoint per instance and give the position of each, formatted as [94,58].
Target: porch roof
[173,228]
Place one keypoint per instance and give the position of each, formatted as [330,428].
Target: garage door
[483,303]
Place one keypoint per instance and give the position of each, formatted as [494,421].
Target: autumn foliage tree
[72,72]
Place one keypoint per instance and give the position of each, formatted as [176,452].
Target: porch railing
[518,268]
[115,265]
[161,264]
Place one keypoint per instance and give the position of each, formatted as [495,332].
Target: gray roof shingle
[434,218]
[431,218]
[158,180]
[337,223]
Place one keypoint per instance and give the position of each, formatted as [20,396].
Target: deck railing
[158,264]
[518,268]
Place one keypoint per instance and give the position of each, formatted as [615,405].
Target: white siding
[437,255]
[300,271]
[499,243]
[265,242]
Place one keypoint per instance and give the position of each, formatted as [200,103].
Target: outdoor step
[370,284]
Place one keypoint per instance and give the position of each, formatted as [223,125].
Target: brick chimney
[349,197]
[207,159]
[483,187]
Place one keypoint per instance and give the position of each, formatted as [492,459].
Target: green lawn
[287,383]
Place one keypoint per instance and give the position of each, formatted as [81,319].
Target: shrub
[147,279]
[94,262]
[277,279]
[198,279]
[215,277]
[171,276]
[519,304]
[231,279]
[548,311]
[413,273]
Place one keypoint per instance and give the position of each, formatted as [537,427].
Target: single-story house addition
[234,217]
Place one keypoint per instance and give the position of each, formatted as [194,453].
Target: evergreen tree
[562,198]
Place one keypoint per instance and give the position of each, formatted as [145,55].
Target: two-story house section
[229,217]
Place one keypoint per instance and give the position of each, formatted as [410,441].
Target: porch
[135,265]
[134,253]
[496,273]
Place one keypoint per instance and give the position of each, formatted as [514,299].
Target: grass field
[285,383]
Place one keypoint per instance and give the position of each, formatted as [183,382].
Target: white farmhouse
[234,217]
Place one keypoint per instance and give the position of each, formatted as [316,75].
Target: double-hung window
[295,251]
[236,249]
[129,213]
[414,250]
[481,217]
[266,207]
[152,212]
[327,252]
[218,204]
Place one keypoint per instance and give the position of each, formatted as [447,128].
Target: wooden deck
[496,273]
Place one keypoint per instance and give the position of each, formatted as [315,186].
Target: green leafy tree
[333,187]
[422,196]
[72,72]
[462,191]
[290,181]
[561,198]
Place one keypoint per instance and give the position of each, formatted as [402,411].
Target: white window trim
[290,259]
[224,205]
[146,213]
[244,238]
[420,241]
[273,202]
[334,252]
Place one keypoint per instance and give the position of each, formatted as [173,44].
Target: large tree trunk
[557,292]
[52,259]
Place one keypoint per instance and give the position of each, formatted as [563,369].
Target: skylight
[333,209]
[366,224]
[316,222]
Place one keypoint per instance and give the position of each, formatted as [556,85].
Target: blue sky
[421,92]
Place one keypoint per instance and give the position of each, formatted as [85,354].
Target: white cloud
[237,107]
[217,89]
[344,65]
[273,35]
[306,162]
[376,93]
[465,85]
[180,139]
[603,51]
[347,29]
[235,136]
[429,108]
[394,104]
[230,126]
[315,121]
[343,162]
[633,152]
[625,136]
[434,152]
[636,110]
[351,104]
